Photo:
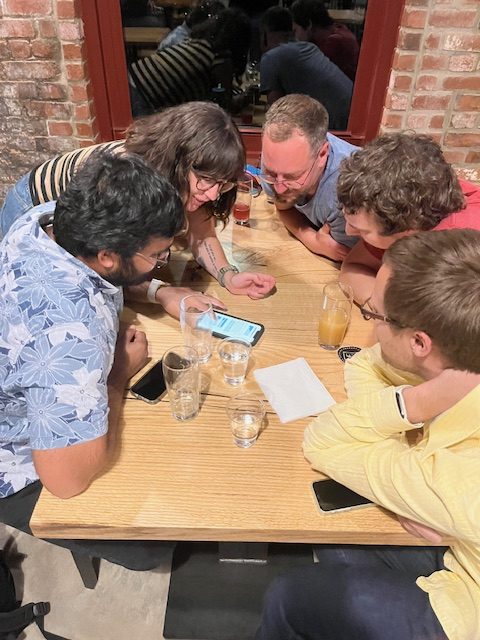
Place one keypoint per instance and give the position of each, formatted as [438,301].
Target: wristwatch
[153,287]
[224,270]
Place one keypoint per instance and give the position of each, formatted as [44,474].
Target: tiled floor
[125,605]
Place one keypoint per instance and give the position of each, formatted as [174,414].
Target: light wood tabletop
[187,481]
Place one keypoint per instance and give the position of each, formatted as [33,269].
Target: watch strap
[224,270]
[153,287]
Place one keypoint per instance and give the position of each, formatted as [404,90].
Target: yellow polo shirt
[361,443]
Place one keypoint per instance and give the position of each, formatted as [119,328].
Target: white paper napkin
[293,390]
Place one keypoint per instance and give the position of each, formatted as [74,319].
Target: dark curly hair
[403,180]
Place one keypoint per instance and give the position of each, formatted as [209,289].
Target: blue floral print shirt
[58,328]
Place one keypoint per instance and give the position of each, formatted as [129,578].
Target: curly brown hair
[193,135]
[403,180]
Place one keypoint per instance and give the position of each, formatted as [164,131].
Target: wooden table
[144,35]
[187,481]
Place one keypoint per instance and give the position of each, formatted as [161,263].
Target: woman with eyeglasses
[198,148]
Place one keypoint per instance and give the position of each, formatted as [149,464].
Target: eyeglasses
[204,183]
[368,314]
[159,262]
[269,179]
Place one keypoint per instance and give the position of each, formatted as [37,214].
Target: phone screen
[151,386]
[226,326]
[333,496]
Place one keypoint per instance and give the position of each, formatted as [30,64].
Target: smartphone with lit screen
[227,326]
[332,497]
[151,386]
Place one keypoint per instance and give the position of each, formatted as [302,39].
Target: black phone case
[257,337]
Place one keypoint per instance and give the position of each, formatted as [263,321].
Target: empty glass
[196,320]
[182,378]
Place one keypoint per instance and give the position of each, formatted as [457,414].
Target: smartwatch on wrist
[153,287]
[224,270]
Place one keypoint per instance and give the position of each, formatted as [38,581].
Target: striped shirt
[48,180]
[178,74]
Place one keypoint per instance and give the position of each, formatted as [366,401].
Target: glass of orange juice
[335,314]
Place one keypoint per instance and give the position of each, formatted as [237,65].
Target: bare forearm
[210,255]
[361,278]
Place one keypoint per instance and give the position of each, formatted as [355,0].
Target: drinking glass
[182,378]
[246,413]
[234,354]
[241,208]
[196,320]
[335,314]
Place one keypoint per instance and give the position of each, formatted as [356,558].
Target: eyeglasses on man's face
[293,183]
[368,314]
[204,183]
[156,262]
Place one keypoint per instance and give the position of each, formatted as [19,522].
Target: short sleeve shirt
[58,330]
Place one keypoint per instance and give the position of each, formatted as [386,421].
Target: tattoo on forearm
[211,255]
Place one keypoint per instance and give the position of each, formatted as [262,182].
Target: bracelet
[225,270]
[153,287]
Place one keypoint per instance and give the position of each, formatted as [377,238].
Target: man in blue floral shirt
[63,363]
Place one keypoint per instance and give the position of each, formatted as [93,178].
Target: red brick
[432,62]
[61,110]
[27,90]
[467,103]
[414,18]
[5,53]
[28,7]
[16,29]
[66,10]
[86,130]
[410,41]
[470,81]
[437,122]
[465,62]
[464,120]
[432,42]
[72,51]
[462,139]
[60,128]
[21,49]
[50,91]
[473,157]
[83,112]
[417,121]
[31,69]
[452,18]
[36,108]
[426,83]
[70,31]
[392,121]
[47,28]
[405,62]
[402,83]
[462,42]
[397,101]
[75,71]
[44,48]
[430,102]
[84,143]
[79,93]
[454,156]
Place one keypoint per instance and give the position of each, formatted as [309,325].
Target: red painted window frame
[107,66]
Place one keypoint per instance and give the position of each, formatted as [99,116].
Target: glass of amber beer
[335,314]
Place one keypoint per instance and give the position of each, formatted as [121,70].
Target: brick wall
[435,82]
[45,103]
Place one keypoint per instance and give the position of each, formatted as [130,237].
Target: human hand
[325,245]
[170,298]
[420,530]
[131,354]
[246,283]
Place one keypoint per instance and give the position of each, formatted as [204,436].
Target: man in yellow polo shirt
[423,376]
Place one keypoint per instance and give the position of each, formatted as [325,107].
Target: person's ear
[107,259]
[421,344]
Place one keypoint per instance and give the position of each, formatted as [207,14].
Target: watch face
[345,353]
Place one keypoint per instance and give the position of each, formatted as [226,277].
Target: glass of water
[196,320]
[246,413]
[234,354]
[182,378]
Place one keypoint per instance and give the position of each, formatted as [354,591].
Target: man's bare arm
[359,270]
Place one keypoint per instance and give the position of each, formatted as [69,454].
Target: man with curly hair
[396,185]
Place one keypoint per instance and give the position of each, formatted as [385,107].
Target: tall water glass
[182,378]
[196,320]
[335,314]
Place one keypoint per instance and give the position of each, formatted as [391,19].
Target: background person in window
[64,364]
[300,162]
[396,185]
[300,67]
[195,16]
[183,143]
[215,54]
[312,23]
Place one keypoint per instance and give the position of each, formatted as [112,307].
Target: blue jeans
[354,593]
[17,202]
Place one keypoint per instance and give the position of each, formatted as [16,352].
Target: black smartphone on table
[331,497]
[227,326]
[151,386]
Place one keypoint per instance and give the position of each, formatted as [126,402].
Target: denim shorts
[17,202]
